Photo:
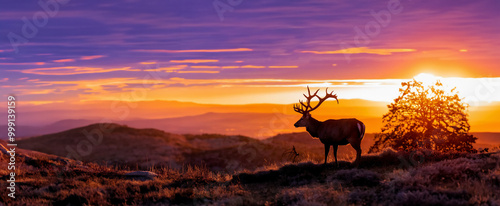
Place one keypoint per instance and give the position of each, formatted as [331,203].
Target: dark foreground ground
[387,178]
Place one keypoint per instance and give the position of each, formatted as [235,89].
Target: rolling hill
[379,179]
[255,125]
[127,146]
[112,144]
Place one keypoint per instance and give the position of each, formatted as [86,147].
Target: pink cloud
[193,51]
[195,61]
[281,67]
[64,60]
[361,50]
[91,57]
[26,63]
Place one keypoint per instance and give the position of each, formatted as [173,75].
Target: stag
[332,132]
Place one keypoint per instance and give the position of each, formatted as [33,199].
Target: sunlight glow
[426,78]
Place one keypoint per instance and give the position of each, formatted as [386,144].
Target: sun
[426,78]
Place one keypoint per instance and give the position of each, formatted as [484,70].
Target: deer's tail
[361,128]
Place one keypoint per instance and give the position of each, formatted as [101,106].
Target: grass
[386,178]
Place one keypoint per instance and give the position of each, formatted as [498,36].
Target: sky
[241,51]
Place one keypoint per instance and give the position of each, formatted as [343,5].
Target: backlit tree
[426,117]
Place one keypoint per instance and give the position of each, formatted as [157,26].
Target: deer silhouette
[332,132]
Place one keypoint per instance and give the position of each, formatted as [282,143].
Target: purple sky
[98,41]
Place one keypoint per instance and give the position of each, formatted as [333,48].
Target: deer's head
[306,108]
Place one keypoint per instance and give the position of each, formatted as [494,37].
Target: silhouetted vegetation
[380,179]
[426,117]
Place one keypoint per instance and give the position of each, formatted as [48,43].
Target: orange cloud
[230,67]
[24,78]
[64,60]
[146,63]
[280,67]
[198,72]
[195,61]
[360,50]
[72,70]
[91,57]
[4,79]
[253,67]
[27,63]
[238,61]
[41,102]
[193,51]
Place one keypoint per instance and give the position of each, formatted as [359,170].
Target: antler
[303,108]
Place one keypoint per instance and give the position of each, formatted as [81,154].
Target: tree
[426,117]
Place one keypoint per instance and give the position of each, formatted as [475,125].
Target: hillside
[387,178]
[143,148]
[119,145]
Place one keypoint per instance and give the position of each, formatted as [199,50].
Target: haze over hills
[123,145]
[254,120]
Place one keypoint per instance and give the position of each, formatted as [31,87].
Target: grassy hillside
[387,178]
[144,148]
[119,145]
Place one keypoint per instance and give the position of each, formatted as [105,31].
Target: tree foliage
[426,117]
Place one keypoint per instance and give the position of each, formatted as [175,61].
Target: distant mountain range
[256,125]
[126,146]
[254,120]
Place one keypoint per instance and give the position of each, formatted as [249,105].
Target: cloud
[64,60]
[197,72]
[91,57]
[41,102]
[253,67]
[205,67]
[192,51]
[230,67]
[280,67]
[361,50]
[195,61]
[70,70]
[4,79]
[22,64]
[147,63]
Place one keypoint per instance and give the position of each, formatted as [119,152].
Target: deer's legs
[335,147]
[357,147]
[327,150]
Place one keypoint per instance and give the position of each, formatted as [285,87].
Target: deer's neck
[313,127]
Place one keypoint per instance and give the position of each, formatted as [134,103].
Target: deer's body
[331,132]
[335,132]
